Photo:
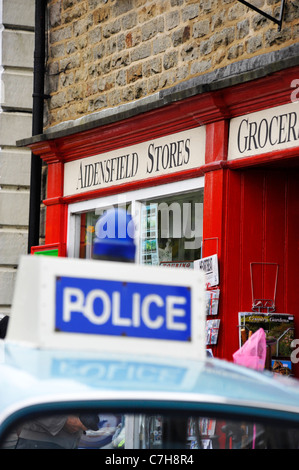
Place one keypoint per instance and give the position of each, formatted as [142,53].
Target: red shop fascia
[251,179]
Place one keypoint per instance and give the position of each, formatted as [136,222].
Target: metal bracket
[266,15]
[264,304]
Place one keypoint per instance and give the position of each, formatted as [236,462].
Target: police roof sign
[130,309]
[107,306]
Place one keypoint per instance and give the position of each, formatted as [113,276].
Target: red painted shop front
[249,175]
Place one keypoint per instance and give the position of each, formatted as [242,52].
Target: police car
[105,355]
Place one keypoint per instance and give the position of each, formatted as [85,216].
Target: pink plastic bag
[253,352]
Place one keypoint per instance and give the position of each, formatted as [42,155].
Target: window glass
[87,225]
[88,222]
[169,229]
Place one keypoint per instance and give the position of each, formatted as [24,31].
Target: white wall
[16,77]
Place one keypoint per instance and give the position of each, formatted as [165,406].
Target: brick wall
[103,53]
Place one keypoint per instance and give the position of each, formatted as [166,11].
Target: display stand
[209,264]
[201,433]
[279,327]
[259,272]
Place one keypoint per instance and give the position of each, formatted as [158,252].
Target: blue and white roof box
[67,303]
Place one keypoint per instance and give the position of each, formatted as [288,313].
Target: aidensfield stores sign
[167,155]
[264,131]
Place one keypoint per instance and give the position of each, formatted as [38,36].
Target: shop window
[168,224]
[171,230]
[88,222]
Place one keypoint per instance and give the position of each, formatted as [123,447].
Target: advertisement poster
[212,301]
[212,330]
[279,330]
[149,235]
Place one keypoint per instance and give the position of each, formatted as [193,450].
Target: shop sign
[167,155]
[264,131]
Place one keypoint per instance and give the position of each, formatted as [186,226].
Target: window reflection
[169,228]
[147,431]
[88,222]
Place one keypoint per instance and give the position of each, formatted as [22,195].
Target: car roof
[30,375]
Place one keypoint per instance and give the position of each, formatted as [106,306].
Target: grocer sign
[67,303]
[264,131]
[167,155]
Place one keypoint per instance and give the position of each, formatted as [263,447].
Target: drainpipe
[37,121]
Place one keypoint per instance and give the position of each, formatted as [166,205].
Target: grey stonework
[189,39]
[238,72]
[16,85]
[109,60]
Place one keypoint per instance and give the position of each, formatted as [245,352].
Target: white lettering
[89,307]
[172,312]
[116,318]
[100,308]
[149,299]
[294,357]
[136,310]
[123,460]
[294,94]
[69,305]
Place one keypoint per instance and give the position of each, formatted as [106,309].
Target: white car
[73,390]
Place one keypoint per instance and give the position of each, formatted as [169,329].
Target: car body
[37,381]
[143,392]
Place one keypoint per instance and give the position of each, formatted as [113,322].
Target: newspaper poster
[209,266]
